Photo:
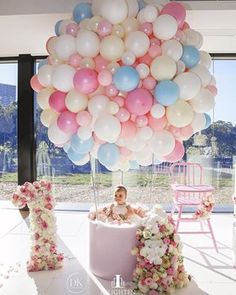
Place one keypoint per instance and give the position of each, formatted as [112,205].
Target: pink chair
[189,189]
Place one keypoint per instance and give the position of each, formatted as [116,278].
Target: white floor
[212,272]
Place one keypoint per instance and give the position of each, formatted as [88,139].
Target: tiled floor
[212,272]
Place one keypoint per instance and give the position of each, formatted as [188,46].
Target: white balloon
[189,85]
[98,105]
[84,132]
[48,116]
[205,59]
[203,73]
[193,38]
[158,111]
[135,144]
[65,46]
[145,162]
[76,101]
[140,17]
[180,67]
[203,102]
[112,48]
[213,81]
[162,142]
[133,7]
[62,77]
[63,24]
[114,11]
[113,107]
[163,68]
[144,133]
[199,122]
[172,48]
[150,13]
[144,153]
[45,75]
[96,7]
[138,43]
[43,98]
[87,43]
[143,70]
[165,27]
[56,135]
[107,128]
[128,58]
[180,114]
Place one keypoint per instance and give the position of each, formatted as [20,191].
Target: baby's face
[120,197]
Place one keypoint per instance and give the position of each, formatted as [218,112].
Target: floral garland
[205,209]
[159,267]
[38,196]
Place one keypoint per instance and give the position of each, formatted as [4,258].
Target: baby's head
[120,194]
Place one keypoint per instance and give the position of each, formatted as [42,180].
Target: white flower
[176,238]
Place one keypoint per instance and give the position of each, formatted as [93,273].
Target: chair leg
[179,217]
[212,234]
[174,207]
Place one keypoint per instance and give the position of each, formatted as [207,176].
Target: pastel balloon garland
[124,80]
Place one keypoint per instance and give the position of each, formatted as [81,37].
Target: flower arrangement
[206,207]
[38,196]
[159,267]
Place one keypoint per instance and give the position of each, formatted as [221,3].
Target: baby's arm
[139,211]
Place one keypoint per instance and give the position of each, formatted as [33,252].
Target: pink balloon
[104,28]
[157,124]
[177,154]
[85,80]
[74,60]
[128,129]
[119,100]
[111,90]
[123,115]
[139,101]
[146,59]
[35,85]
[155,41]
[212,89]
[175,131]
[100,63]
[83,118]
[72,29]
[146,28]
[125,152]
[149,83]
[186,132]
[176,10]
[141,121]
[105,77]
[57,101]
[154,51]
[67,122]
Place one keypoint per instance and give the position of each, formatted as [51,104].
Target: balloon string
[93,185]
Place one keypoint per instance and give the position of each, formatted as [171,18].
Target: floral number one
[38,196]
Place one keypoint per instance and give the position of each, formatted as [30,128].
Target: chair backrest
[186,173]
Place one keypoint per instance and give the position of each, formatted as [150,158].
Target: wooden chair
[188,190]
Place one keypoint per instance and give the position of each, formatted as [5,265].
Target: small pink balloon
[146,59]
[154,51]
[186,132]
[175,131]
[104,28]
[67,122]
[128,129]
[139,101]
[100,63]
[105,78]
[149,83]
[141,121]
[123,115]
[111,90]
[35,85]
[157,124]
[133,117]
[72,29]
[57,101]
[212,89]
[177,154]
[176,10]
[125,152]
[146,28]
[83,118]
[74,60]
[155,41]
[85,80]
[119,100]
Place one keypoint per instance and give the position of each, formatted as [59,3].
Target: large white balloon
[135,144]
[43,98]
[162,143]
[107,128]
[165,27]
[76,101]
[114,11]
[163,68]
[180,114]
[98,105]
[203,73]
[172,48]
[150,13]
[62,77]
[48,116]
[199,122]
[112,48]
[189,85]
[133,7]
[87,43]
[65,46]
[56,135]
[193,38]
[45,75]
[203,102]
[205,59]
[138,43]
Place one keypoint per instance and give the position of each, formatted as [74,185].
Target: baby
[119,211]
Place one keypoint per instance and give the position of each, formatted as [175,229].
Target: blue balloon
[208,121]
[166,92]
[42,63]
[74,156]
[57,27]
[81,146]
[108,154]
[141,4]
[126,78]
[134,165]
[190,56]
[82,11]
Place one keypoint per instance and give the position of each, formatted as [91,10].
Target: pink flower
[170,271]
[48,206]
[148,281]
[36,236]
[153,292]
[60,257]
[166,241]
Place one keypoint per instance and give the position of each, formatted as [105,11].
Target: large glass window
[8,128]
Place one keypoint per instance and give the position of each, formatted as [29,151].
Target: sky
[223,70]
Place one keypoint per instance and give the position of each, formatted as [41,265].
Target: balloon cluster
[124,80]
